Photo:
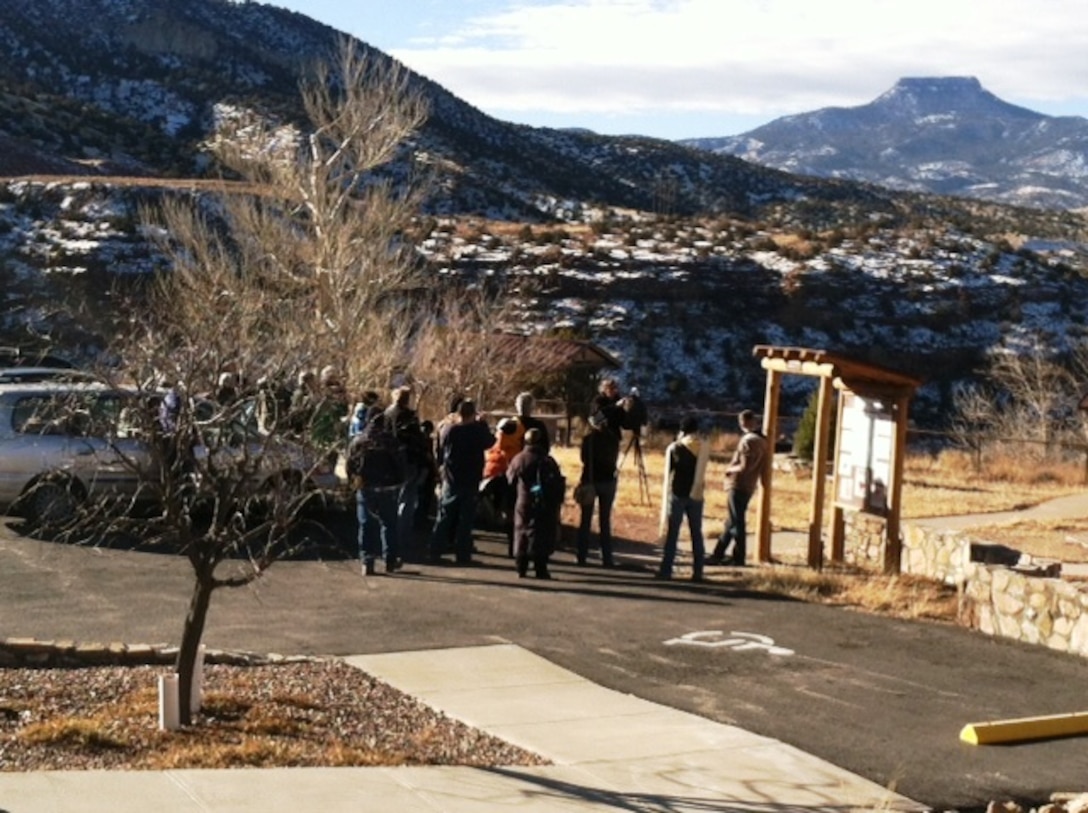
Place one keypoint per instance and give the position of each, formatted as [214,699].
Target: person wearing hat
[538,486]
[600,452]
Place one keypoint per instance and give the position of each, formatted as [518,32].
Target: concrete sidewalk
[1072,505]
[611,751]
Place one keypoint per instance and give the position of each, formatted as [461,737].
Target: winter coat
[536,515]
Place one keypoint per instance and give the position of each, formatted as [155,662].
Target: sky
[679,69]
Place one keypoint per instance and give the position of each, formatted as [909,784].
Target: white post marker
[738,641]
[169,712]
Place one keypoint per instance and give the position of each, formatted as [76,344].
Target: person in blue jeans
[405,424]
[461,449]
[600,451]
[376,512]
[375,466]
[745,473]
[685,477]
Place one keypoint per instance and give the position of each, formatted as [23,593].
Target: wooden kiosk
[869,448]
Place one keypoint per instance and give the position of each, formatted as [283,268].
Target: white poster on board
[864,455]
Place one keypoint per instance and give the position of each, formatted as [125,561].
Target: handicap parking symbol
[736,641]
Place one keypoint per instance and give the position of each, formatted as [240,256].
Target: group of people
[685,479]
[392,461]
[395,460]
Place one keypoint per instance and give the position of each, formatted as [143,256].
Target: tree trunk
[191,635]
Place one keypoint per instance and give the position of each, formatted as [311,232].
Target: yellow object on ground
[1026,728]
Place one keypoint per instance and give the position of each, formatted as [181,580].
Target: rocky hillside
[676,259]
[944,135]
[681,301]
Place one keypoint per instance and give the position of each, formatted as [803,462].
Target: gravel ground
[314,713]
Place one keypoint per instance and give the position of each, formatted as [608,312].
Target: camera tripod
[643,481]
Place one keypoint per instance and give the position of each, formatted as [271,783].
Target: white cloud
[752,57]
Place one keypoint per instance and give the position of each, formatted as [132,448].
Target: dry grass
[900,596]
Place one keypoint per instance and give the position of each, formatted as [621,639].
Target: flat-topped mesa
[942,95]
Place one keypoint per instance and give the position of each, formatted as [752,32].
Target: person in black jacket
[613,407]
[524,404]
[375,466]
[461,449]
[599,453]
[538,486]
[685,478]
[405,425]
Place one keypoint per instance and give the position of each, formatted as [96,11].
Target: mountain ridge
[944,135]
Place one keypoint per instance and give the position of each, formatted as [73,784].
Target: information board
[864,455]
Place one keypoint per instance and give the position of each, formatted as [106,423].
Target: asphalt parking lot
[883,698]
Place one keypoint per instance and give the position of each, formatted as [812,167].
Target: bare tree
[1025,396]
[307,270]
[1039,390]
[973,420]
[466,347]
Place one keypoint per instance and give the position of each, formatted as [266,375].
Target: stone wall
[1002,591]
[1026,607]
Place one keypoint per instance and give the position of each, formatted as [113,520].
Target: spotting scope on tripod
[637,417]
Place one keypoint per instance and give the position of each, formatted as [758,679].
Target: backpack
[550,486]
[413,442]
[375,456]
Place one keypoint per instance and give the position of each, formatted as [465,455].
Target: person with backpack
[539,486]
[376,470]
[405,425]
[685,477]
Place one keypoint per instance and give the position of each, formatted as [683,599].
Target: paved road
[883,698]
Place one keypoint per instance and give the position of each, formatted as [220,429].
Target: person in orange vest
[494,487]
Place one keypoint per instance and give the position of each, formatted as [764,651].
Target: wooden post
[838,534]
[893,545]
[837,524]
[819,474]
[770,429]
